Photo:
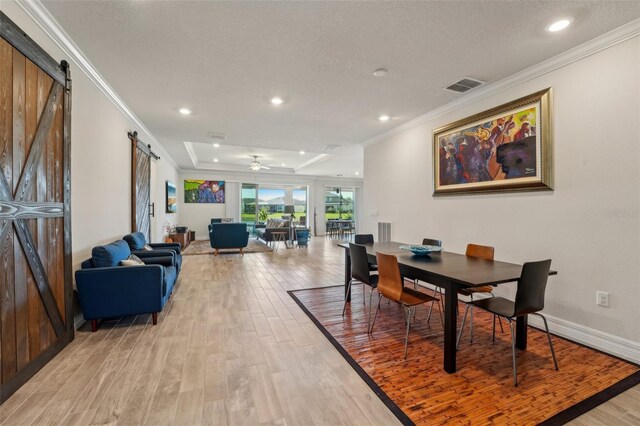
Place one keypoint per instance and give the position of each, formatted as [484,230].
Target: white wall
[198,216]
[596,120]
[100,156]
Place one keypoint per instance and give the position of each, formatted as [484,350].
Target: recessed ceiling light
[184,111]
[216,145]
[380,72]
[383,118]
[559,25]
[357,173]
[283,164]
[277,100]
[215,160]
[301,152]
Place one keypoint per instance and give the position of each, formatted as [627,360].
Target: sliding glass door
[248,207]
[262,202]
[339,204]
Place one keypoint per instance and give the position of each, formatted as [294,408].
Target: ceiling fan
[255,164]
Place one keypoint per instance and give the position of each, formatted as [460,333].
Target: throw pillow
[280,224]
[227,220]
[147,247]
[132,260]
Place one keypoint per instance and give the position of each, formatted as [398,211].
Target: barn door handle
[152,207]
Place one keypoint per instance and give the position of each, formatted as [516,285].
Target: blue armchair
[137,241]
[106,289]
[228,235]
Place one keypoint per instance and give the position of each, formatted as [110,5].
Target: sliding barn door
[36,316]
[141,207]
[143,191]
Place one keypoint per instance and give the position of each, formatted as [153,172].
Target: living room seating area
[113,283]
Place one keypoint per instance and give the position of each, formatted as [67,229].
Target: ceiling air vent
[330,147]
[465,84]
[217,136]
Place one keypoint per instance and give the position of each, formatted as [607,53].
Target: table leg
[450,328]
[521,332]
[347,275]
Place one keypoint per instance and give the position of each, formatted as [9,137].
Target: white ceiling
[225,60]
[345,160]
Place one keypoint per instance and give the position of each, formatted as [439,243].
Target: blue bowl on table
[421,250]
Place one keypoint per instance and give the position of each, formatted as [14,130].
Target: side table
[183,238]
[278,236]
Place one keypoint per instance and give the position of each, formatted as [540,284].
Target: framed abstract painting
[204,191]
[506,148]
[172,198]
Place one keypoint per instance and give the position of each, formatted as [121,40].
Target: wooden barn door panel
[36,321]
[141,207]
[143,220]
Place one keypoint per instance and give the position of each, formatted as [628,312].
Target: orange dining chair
[481,252]
[391,286]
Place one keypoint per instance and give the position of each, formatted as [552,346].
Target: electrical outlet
[602,298]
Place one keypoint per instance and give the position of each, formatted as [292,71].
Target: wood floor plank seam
[297,374]
[325,303]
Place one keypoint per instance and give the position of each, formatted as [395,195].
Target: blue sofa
[137,241]
[228,236]
[106,289]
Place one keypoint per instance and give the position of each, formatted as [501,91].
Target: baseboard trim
[610,344]
[625,349]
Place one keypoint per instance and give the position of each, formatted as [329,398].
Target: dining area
[456,335]
[426,274]
[339,228]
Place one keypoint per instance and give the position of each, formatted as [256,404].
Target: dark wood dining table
[450,271]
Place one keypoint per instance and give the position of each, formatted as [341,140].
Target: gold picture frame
[506,148]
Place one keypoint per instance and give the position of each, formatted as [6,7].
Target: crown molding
[575,54]
[41,16]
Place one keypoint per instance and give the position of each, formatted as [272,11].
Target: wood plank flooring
[230,348]
[482,390]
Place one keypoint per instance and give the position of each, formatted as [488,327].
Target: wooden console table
[183,238]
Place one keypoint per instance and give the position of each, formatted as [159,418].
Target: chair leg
[154,318]
[464,318]
[376,314]
[546,327]
[369,320]
[513,353]
[94,325]
[499,319]
[345,299]
[406,337]
[493,329]
[435,293]
[471,324]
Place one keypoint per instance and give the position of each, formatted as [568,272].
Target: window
[339,203]
[273,201]
[262,202]
[248,198]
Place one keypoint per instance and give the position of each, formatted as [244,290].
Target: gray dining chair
[360,273]
[529,300]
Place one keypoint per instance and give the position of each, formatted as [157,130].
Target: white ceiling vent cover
[465,84]
[217,136]
[330,147]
